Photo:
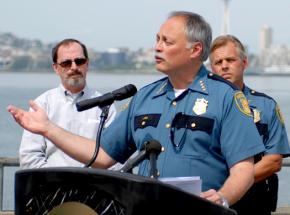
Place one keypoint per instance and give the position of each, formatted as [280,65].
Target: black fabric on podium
[38,191]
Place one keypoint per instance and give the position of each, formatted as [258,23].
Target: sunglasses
[78,61]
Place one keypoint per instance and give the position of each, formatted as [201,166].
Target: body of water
[18,88]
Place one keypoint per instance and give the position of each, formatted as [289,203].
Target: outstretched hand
[35,121]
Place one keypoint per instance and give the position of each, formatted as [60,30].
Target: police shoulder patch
[242,103]
[279,114]
[126,105]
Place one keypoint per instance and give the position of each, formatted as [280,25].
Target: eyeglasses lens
[68,63]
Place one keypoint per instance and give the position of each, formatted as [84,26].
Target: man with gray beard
[71,63]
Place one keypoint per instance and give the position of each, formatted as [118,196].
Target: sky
[103,24]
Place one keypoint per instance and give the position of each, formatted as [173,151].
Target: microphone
[108,98]
[154,150]
[152,147]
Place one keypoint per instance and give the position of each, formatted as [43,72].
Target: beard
[76,82]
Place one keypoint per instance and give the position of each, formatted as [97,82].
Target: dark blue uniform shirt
[205,130]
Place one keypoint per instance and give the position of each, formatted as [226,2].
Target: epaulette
[255,93]
[219,78]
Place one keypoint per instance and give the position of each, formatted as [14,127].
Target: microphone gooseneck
[150,150]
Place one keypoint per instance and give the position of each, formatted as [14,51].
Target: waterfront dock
[14,162]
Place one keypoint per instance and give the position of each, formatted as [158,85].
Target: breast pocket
[191,135]
[146,120]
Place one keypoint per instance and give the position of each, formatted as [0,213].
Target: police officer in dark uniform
[203,121]
[229,60]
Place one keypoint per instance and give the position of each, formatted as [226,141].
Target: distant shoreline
[116,71]
[139,71]
[267,74]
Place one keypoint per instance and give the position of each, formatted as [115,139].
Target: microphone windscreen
[124,92]
[153,145]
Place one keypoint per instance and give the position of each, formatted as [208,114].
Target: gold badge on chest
[200,106]
[257,115]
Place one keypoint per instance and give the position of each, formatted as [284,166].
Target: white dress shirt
[60,105]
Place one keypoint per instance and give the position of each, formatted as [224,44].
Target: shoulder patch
[219,78]
[279,114]
[126,105]
[255,93]
[242,103]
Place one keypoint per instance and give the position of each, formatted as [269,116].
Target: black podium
[39,191]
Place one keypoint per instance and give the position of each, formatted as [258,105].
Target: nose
[158,45]
[73,65]
[224,64]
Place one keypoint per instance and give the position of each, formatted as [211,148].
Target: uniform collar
[163,88]
[246,90]
[199,84]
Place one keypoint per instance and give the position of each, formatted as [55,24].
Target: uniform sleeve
[239,137]
[111,116]
[277,143]
[117,139]
[32,151]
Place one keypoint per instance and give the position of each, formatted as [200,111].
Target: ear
[55,68]
[196,49]
[246,62]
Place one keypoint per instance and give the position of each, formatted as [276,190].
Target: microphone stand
[133,162]
[153,165]
[151,150]
[103,118]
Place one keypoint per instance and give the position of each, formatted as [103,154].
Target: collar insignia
[161,89]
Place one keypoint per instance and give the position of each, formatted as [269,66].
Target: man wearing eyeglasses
[203,122]
[70,63]
[228,59]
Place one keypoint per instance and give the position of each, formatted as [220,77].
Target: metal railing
[14,162]
[5,162]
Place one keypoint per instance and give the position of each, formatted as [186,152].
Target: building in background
[266,38]
[273,58]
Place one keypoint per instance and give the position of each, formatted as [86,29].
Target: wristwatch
[224,201]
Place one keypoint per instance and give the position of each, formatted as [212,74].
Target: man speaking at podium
[203,122]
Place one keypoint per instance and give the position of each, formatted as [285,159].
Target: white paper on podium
[191,184]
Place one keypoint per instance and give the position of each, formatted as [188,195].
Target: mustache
[159,55]
[74,73]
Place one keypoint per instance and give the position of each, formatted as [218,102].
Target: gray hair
[196,30]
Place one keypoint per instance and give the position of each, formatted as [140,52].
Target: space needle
[226,19]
